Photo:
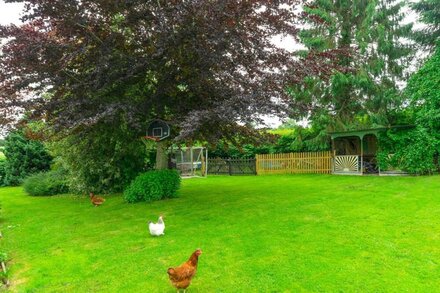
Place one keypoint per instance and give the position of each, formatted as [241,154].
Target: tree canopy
[417,150]
[208,67]
[368,94]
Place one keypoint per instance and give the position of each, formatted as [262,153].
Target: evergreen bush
[23,158]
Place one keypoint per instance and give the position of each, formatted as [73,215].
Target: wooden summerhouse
[354,152]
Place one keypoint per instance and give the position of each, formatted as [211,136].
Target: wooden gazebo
[354,152]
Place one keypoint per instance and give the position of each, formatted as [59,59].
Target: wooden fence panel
[294,163]
[232,166]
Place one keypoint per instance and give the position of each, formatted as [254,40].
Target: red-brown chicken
[181,276]
[96,200]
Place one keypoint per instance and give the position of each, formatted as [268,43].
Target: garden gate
[232,166]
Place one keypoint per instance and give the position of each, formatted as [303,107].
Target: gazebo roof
[362,132]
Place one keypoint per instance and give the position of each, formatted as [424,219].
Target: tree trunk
[161,156]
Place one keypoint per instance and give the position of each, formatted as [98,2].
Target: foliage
[300,139]
[424,92]
[23,157]
[368,95]
[408,150]
[3,256]
[170,182]
[415,150]
[2,172]
[429,11]
[46,183]
[153,185]
[263,233]
[104,160]
[226,150]
[210,67]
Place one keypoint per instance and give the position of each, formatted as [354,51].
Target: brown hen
[181,276]
[96,200]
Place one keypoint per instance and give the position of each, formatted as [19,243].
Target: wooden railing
[291,163]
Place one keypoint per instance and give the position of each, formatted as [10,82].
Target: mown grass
[258,234]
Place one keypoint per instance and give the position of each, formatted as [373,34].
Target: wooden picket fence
[310,162]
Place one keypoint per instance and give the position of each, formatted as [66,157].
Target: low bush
[170,180]
[46,183]
[153,185]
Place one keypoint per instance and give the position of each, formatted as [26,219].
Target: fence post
[229,166]
[256,164]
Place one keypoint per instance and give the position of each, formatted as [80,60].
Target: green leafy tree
[429,11]
[208,67]
[424,91]
[367,95]
[23,157]
[103,160]
[417,150]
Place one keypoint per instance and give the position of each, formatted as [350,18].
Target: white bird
[157,229]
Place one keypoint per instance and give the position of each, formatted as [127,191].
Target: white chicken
[157,229]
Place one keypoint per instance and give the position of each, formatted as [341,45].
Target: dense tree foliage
[208,67]
[296,139]
[23,157]
[429,11]
[104,159]
[368,95]
[417,150]
[424,91]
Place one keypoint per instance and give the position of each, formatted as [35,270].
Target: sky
[10,12]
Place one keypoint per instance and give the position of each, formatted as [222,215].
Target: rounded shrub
[46,183]
[153,185]
[170,180]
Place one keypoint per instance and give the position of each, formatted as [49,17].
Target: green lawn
[258,234]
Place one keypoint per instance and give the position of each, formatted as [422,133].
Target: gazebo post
[333,155]
[362,154]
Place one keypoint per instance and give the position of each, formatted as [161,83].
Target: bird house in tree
[158,129]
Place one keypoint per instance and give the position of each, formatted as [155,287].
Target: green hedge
[46,183]
[153,185]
